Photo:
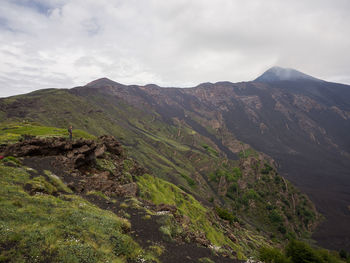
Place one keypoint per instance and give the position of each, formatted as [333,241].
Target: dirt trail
[146,233]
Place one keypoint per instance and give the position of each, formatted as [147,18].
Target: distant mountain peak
[279,74]
[102,82]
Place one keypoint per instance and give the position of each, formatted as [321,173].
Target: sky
[172,43]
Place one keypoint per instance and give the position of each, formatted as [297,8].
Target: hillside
[83,194]
[77,190]
[191,136]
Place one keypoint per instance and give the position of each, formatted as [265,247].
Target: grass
[189,180]
[56,181]
[247,153]
[65,228]
[13,132]
[160,191]
[158,250]
[297,251]
[210,150]
[98,194]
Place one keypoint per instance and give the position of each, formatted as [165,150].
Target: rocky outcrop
[77,162]
[78,152]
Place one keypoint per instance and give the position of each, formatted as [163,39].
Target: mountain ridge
[275,73]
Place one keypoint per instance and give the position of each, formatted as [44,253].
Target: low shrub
[224,214]
[272,255]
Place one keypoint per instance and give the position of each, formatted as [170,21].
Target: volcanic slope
[238,178]
[62,186]
[185,135]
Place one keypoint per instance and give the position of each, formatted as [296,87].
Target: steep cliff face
[300,121]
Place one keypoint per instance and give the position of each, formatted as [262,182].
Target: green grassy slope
[63,228]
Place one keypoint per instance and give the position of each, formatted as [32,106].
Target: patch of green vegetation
[105,164]
[127,165]
[56,181]
[210,150]
[344,255]
[123,205]
[298,251]
[237,173]
[99,194]
[305,213]
[267,169]
[166,231]
[13,132]
[230,175]
[268,201]
[169,227]
[160,138]
[225,214]
[11,160]
[272,255]
[189,180]
[134,203]
[251,195]
[157,250]
[160,191]
[232,191]
[66,228]
[248,153]
[40,185]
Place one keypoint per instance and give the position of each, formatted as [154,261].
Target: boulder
[112,145]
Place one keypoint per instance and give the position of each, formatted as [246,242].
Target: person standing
[70,131]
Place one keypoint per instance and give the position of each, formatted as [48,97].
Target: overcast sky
[67,43]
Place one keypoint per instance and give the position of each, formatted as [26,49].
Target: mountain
[284,74]
[195,137]
[102,82]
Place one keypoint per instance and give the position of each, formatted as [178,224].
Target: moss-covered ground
[37,226]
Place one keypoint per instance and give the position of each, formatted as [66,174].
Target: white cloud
[61,44]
